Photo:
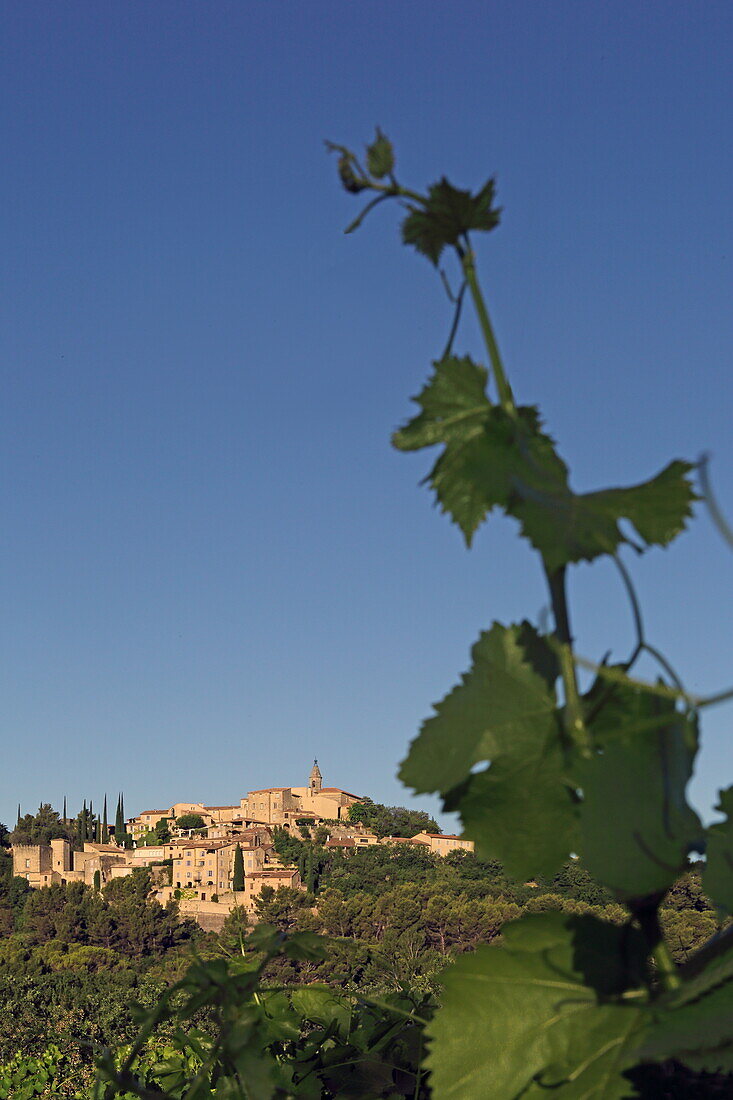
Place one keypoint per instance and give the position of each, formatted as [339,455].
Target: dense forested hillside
[74,961]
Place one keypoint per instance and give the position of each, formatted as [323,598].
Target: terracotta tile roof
[267,790]
[338,790]
[404,840]
[274,873]
[213,844]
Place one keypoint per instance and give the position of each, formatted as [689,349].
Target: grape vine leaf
[529,1012]
[521,811]
[499,705]
[448,214]
[635,824]
[493,458]
[717,878]
[693,1022]
[488,452]
[380,156]
[504,710]
[570,527]
[453,402]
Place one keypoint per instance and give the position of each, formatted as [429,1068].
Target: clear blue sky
[213,567]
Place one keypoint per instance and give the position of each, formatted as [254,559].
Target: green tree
[392,820]
[310,872]
[119,822]
[238,872]
[41,827]
[283,907]
[190,821]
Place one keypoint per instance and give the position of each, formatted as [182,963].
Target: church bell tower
[315,780]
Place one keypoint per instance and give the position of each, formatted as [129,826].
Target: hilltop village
[213,858]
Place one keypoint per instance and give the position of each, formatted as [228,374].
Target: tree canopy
[392,820]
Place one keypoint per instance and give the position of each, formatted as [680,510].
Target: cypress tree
[64,809]
[97,881]
[105,827]
[126,837]
[119,823]
[92,822]
[310,873]
[238,876]
[84,822]
[80,831]
[18,822]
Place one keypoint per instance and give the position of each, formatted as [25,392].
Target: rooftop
[443,836]
[276,872]
[338,790]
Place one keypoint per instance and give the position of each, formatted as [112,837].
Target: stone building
[438,843]
[285,805]
[56,863]
[207,866]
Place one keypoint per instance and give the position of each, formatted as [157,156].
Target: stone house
[207,866]
[55,863]
[443,843]
[285,805]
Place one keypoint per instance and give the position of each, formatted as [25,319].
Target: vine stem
[468,263]
[575,724]
[666,967]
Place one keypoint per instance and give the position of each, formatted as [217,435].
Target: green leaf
[521,810]
[454,406]
[529,1012]
[320,1004]
[489,455]
[380,156]
[570,527]
[636,826]
[495,458]
[717,878]
[693,1022]
[447,216]
[498,706]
